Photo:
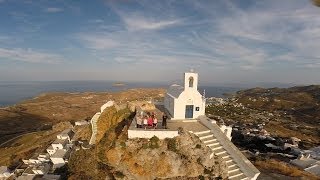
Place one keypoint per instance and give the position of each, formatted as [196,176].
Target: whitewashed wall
[161,134]
[189,97]
[57,160]
[57,146]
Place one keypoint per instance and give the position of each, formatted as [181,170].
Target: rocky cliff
[115,156]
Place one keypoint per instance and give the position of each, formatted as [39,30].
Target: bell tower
[191,80]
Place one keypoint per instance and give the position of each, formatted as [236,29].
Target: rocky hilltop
[115,156]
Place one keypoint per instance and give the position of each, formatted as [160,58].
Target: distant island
[118,84]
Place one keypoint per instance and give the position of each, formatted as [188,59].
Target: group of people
[150,120]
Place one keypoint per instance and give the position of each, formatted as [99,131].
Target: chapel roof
[175,90]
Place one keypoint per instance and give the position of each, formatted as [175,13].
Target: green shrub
[199,160]
[123,145]
[207,171]
[200,177]
[154,142]
[145,146]
[172,144]
[198,146]
[119,174]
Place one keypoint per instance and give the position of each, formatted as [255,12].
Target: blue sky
[225,41]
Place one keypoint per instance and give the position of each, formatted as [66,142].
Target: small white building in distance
[60,157]
[81,123]
[185,102]
[66,134]
[41,169]
[50,150]
[59,143]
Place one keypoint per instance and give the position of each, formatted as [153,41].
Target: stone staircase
[234,172]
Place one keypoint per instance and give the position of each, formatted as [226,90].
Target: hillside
[301,102]
[41,112]
[296,110]
[280,113]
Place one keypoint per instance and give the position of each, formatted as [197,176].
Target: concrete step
[216,148]
[235,174]
[214,145]
[219,151]
[224,155]
[204,134]
[211,140]
[232,169]
[241,177]
[231,164]
[228,160]
[201,132]
[206,137]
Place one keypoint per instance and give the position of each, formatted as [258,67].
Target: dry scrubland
[51,113]
[50,108]
[29,144]
[296,113]
[299,109]
[274,166]
[114,156]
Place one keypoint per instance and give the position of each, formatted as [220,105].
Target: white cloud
[99,41]
[29,55]
[293,29]
[142,23]
[236,41]
[96,21]
[53,9]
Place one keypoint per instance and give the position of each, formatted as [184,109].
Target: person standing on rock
[155,122]
[145,122]
[150,121]
[164,120]
[139,122]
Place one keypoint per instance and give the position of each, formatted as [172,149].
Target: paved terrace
[160,132]
[173,125]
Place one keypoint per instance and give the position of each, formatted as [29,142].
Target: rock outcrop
[183,156]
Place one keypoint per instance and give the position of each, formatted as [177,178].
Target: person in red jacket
[150,121]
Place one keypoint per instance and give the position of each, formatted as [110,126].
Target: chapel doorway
[189,112]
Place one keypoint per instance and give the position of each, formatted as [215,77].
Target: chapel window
[191,82]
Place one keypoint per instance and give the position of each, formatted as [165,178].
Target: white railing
[244,164]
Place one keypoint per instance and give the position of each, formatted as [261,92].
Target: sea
[14,92]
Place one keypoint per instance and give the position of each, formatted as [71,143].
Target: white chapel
[185,102]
